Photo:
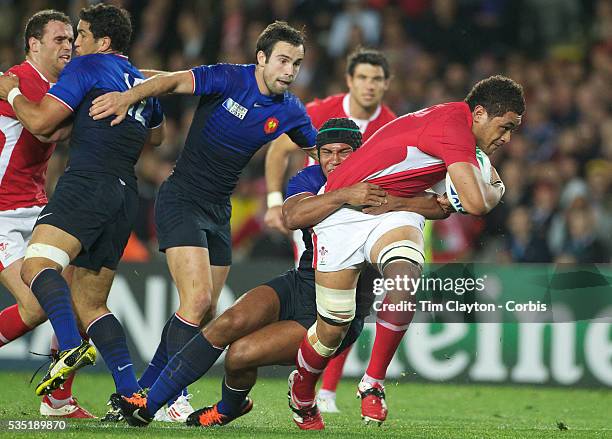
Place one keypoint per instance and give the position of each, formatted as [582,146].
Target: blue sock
[53,294]
[177,336]
[109,338]
[231,400]
[186,367]
[158,362]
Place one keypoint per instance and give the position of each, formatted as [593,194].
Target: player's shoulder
[312,173]
[450,110]
[326,103]
[309,179]
[293,104]
[26,70]
[84,62]
[232,70]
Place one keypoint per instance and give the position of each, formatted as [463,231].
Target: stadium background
[557,169]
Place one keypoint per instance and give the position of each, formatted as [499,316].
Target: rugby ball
[451,192]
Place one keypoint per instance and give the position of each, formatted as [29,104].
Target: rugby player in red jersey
[406,157]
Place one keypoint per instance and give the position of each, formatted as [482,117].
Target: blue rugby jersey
[94,144]
[232,121]
[308,180]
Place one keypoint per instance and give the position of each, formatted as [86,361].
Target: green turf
[416,410]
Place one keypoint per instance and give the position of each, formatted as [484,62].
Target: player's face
[282,67]
[332,154]
[367,85]
[85,43]
[55,48]
[493,132]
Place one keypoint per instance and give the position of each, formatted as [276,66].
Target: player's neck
[359,112]
[47,73]
[261,83]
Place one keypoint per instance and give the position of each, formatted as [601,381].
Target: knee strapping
[337,306]
[398,251]
[316,344]
[50,252]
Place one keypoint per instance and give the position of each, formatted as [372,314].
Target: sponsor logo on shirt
[271,125]
[235,108]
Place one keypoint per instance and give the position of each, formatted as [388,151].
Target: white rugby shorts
[15,233]
[345,238]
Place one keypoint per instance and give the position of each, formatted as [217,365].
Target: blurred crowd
[557,168]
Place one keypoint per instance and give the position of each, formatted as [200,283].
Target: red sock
[64,392]
[385,344]
[310,365]
[11,325]
[333,371]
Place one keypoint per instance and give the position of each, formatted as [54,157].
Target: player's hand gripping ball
[485,169]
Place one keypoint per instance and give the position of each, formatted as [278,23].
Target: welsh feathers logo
[3,246]
[271,125]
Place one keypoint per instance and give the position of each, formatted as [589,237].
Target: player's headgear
[339,130]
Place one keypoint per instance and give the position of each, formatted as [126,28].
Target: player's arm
[478,197]
[147,73]
[62,133]
[156,135]
[306,209]
[39,118]
[117,104]
[424,204]
[277,160]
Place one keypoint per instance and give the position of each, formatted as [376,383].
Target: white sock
[327,394]
[371,381]
[58,403]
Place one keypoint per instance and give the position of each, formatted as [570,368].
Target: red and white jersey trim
[415,159]
[361,123]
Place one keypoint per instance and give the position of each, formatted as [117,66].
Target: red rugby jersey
[23,158]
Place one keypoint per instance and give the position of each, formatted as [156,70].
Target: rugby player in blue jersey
[266,325]
[89,219]
[242,108]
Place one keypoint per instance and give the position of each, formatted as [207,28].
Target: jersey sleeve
[210,79]
[157,115]
[308,180]
[75,81]
[455,141]
[304,134]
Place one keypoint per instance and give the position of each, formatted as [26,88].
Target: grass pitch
[416,410]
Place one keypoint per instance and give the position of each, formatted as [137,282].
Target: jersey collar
[38,71]
[346,106]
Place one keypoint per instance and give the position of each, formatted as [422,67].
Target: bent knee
[227,328]
[239,356]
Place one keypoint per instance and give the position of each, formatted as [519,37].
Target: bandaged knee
[336,306]
[316,344]
[50,252]
[401,251]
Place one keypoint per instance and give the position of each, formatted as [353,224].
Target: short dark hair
[279,31]
[367,56]
[35,26]
[498,95]
[109,21]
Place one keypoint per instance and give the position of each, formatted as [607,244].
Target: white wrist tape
[275,199]
[12,95]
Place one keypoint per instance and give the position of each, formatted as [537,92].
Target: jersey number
[136,110]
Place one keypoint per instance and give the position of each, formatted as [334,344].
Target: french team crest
[271,125]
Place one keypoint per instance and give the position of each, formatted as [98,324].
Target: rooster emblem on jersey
[271,125]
